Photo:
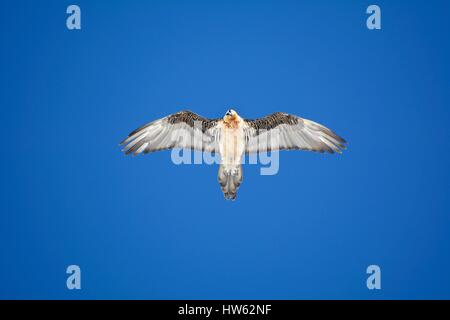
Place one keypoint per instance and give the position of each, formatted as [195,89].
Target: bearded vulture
[232,137]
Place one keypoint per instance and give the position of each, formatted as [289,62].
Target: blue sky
[145,228]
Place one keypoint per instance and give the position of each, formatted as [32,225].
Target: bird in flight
[232,137]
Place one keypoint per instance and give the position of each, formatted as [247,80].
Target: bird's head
[230,112]
[231,117]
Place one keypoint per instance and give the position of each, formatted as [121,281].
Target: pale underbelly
[232,147]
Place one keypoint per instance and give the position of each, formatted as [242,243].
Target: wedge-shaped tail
[230,178]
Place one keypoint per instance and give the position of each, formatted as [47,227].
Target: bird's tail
[230,178]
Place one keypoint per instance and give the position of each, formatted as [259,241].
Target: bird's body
[232,148]
[232,137]
[232,141]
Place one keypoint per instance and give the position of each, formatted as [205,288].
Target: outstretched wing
[183,129]
[282,131]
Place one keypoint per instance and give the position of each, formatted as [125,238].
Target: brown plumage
[190,119]
[288,124]
[272,121]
